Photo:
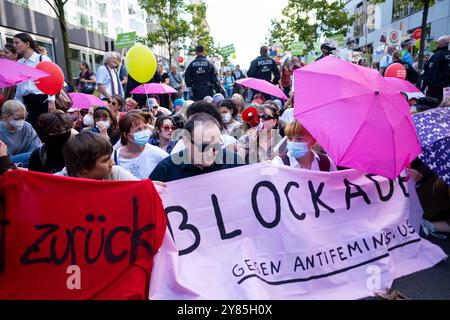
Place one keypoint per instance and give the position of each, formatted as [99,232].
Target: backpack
[324,162]
[62,99]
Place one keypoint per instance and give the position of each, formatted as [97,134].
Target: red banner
[66,238]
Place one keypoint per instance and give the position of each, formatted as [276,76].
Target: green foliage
[307,21]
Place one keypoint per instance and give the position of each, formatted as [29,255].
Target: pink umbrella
[356,116]
[401,85]
[154,88]
[12,73]
[263,86]
[85,101]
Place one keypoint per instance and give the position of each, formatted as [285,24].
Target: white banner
[266,232]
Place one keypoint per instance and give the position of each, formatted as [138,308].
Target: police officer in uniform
[263,68]
[437,69]
[201,76]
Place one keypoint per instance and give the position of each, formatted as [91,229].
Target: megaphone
[250,115]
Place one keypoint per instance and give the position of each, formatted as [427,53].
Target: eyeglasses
[113,103]
[155,107]
[266,117]
[167,128]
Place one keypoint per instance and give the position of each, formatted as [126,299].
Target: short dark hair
[10,47]
[100,111]
[25,37]
[199,49]
[230,105]
[203,118]
[126,123]
[82,151]
[263,51]
[204,107]
[84,63]
[52,123]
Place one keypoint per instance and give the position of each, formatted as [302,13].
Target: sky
[244,23]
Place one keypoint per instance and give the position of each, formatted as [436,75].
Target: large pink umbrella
[154,88]
[263,86]
[401,85]
[85,101]
[12,73]
[360,119]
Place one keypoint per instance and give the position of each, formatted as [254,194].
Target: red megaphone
[250,115]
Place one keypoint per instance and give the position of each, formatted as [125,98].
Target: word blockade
[267,232]
[105,233]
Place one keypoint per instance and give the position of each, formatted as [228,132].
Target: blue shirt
[407,57]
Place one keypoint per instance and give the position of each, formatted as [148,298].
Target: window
[359,20]
[85,4]
[103,27]
[117,16]
[20,2]
[98,59]
[131,10]
[101,9]
[75,58]
[84,20]
[48,46]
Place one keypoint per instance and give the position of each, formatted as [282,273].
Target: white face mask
[105,124]
[227,117]
[88,120]
[17,124]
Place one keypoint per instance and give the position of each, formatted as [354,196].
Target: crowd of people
[165,138]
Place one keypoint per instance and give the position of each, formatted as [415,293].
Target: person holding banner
[137,155]
[300,153]
[88,155]
[203,152]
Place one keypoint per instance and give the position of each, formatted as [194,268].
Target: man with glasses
[203,152]
[107,77]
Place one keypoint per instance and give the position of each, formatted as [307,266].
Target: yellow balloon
[418,44]
[141,63]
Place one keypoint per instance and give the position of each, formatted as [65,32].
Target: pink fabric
[85,101]
[154,88]
[12,73]
[263,86]
[359,118]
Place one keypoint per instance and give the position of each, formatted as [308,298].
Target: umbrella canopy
[85,101]
[356,116]
[401,85]
[433,129]
[263,86]
[154,88]
[12,73]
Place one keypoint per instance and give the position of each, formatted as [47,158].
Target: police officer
[201,76]
[264,67]
[437,70]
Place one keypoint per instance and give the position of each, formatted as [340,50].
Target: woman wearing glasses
[164,128]
[115,104]
[137,155]
[257,144]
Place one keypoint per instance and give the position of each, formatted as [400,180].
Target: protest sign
[66,238]
[126,40]
[286,233]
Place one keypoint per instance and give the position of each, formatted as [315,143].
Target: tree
[173,28]
[308,20]
[199,31]
[58,8]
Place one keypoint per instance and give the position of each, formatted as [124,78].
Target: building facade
[372,20]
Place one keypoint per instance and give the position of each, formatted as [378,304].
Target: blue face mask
[297,149]
[141,137]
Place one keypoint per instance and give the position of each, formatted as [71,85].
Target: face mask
[141,138]
[259,126]
[18,124]
[105,124]
[297,149]
[227,118]
[88,120]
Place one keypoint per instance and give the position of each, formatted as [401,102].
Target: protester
[238,100]
[238,74]
[105,123]
[88,119]
[34,100]
[202,153]
[115,104]
[137,155]
[228,83]
[10,52]
[107,77]
[178,104]
[411,74]
[17,134]
[229,111]
[161,76]
[405,52]
[205,107]
[437,73]
[326,50]
[86,79]
[387,58]
[5,162]
[162,136]
[88,155]
[54,129]
[130,104]
[217,98]
[300,151]
[176,82]
[285,82]
[257,144]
